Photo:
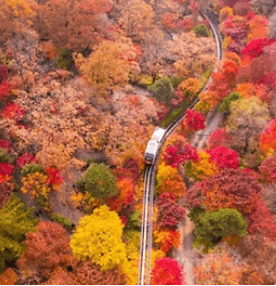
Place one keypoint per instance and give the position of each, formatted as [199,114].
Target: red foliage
[6,187]
[230,68]
[54,176]
[3,73]
[169,212]
[235,28]
[241,8]
[47,249]
[262,221]
[6,169]
[193,121]
[218,138]
[235,48]
[132,167]
[172,22]
[12,111]
[224,157]
[5,90]
[167,272]
[124,220]
[220,86]
[5,144]
[179,153]
[267,138]
[256,47]
[268,170]
[25,159]
[228,189]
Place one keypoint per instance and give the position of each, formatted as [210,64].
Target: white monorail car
[153,145]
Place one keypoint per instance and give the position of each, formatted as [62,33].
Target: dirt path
[184,254]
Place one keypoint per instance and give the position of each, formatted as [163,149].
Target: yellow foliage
[226,42]
[131,272]
[189,87]
[99,238]
[169,180]
[22,8]
[167,239]
[76,198]
[225,12]
[109,65]
[35,184]
[252,107]
[155,255]
[203,168]
[202,107]
[137,17]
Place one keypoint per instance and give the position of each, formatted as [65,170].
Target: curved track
[150,170]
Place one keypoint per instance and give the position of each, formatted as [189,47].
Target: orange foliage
[249,89]
[167,239]
[8,277]
[169,181]
[232,57]
[218,269]
[268,138]
[258,28]
[125,197]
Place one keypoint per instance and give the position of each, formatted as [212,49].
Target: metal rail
[144,274]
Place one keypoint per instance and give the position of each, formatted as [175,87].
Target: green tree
[225,106]
[162,90]
[99,182]
[99,237]
[16,219]
[212,226]
[202,30]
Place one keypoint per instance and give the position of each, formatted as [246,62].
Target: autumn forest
[83,85]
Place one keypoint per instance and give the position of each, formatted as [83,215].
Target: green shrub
[62,220]
[64,60]
[202,30]
[175,81]
[212,226]
[4,157]
[162,90]
[100,182]
[225,105]
[134,221]
[44,203]
[31,168]
[174,114]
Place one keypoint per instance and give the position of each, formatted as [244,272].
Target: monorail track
[144,274]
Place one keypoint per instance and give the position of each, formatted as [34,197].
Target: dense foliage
[16,219]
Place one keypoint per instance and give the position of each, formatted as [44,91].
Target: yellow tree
[98,237]
[109,65]
[136,19]
[169,181]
